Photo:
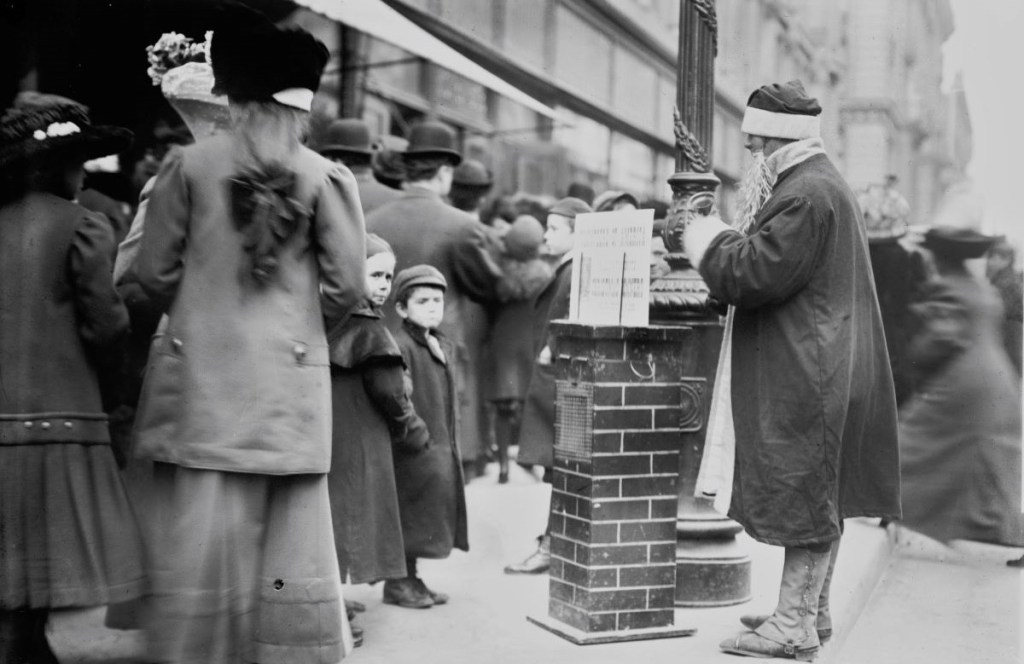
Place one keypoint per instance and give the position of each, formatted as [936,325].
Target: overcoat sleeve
[474,266]
[771,264]
[102,317]
[385,383]
[159,265]
[340,235]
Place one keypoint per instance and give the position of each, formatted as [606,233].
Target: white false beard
[755,188]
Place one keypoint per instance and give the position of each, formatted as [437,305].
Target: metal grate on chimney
[574,420]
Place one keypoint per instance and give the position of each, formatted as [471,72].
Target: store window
[525,27]
[635,89]
[631,166]
[588,142]
[583,56]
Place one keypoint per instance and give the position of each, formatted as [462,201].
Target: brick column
[621,401]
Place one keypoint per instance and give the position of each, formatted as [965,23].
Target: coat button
[177,343]
[68,425]
[29,424]
[45,425]
[299,350]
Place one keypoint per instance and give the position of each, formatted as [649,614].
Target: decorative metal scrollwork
[708,15]
[690,146]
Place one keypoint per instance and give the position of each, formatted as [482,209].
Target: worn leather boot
[537,562]
[790,632]
[824,620]
[405,593]
[439,598]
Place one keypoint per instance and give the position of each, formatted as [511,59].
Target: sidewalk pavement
[485,621]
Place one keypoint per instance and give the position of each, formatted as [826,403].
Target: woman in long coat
[960,436]
[68,537]
[252,242]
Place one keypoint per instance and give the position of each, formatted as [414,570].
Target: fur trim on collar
[794,153]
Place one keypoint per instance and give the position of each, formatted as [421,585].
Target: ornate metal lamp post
[712,569]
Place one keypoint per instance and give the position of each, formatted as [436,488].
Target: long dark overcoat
[960,435]
[431,488]
[812,392]
[423,229]
[537,436]
[371,412]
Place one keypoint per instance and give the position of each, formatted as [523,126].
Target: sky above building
[988,47]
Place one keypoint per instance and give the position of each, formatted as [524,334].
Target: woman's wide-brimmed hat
[957,243]
[189,89]
[41,126]
[254,60]
[347,136]
[432,139]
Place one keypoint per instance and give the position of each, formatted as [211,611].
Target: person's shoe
[357,636]
[752,622]
[750,644]
[405,593]
[1019,562]
[439,598]
[537,562]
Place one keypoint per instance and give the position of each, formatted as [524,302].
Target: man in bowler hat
[813,405]
[423,229]
[348,143]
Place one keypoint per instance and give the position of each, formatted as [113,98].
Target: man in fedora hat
[812,395]
[423,229]
[348,143]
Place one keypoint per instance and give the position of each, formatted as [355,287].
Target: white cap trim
[300,98]
[759,122]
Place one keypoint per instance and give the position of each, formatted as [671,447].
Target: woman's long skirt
[244,570]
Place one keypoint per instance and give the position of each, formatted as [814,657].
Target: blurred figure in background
[470,184]
[348,142]
[387,164]
[960,434]
[616,200]
[1001,270]
[509,346]
[582,191]
[899,271]
[68,537]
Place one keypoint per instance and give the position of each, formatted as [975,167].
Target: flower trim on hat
[172,50]
[55,130]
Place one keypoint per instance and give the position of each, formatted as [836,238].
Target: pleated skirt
[68,537]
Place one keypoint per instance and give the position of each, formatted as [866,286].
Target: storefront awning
[382,22]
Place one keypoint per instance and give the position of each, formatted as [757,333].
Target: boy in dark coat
[431,497]
[372,411]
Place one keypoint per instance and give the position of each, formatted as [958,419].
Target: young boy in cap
[431,497]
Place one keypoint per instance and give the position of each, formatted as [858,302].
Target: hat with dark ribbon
[347,136]
[432,139]
[39,126]
[254,60]
[957,243]
[782,110]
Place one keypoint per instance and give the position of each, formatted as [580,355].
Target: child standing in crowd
[537,435]
[372,411]
[431,496]
[67,534]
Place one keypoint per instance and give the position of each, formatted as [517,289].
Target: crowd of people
[277,372]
